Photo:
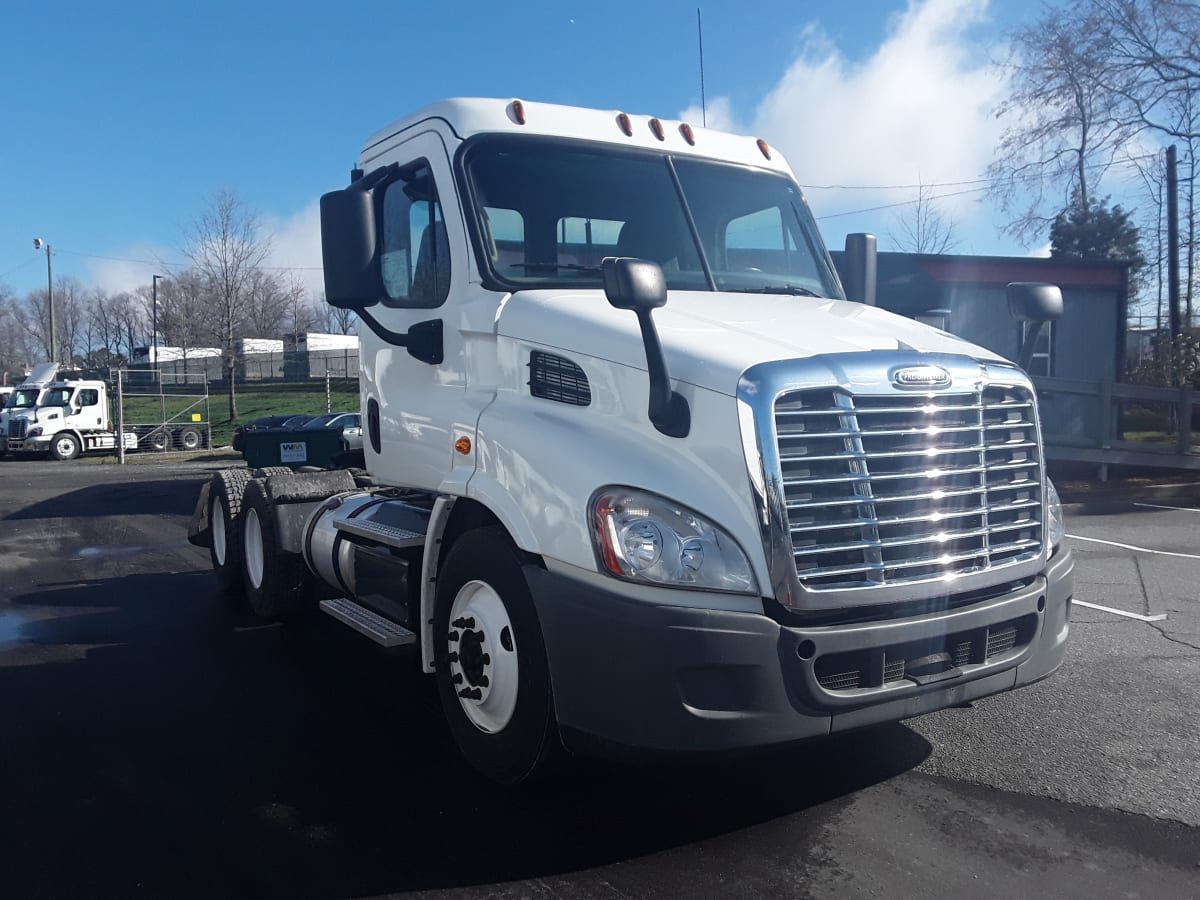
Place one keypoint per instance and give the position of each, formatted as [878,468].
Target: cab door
[414,410]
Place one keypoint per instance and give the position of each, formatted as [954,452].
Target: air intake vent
[555,378]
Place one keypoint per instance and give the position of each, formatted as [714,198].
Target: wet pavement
[155,741]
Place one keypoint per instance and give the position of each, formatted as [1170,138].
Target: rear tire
[161,439]
[276,582]
[225,524]
[189,438]
[64,446]
[492,675]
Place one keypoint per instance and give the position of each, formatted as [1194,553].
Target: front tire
[189,438]
[492,674]
[64,446]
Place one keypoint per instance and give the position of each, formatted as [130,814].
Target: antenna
[700,39]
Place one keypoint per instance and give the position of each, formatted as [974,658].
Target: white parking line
[1159,506]
[1079,537]
[1120,612]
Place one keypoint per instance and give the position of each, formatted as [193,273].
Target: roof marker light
[626,125]
[657,127]
[516,110]
[766,151]
[688,135]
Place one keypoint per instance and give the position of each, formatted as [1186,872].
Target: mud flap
[199,533]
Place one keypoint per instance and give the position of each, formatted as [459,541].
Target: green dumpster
[305,447]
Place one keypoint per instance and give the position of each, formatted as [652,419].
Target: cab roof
[469,116]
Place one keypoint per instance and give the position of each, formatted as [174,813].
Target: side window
[88,397]
[416,254]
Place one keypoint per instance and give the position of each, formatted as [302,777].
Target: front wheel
[64,446]
[189,438]
[490,660]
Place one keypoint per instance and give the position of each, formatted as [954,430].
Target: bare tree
[301,315]
[226,247]
[924,228]
[1063,126]
[266,305]
[338,320]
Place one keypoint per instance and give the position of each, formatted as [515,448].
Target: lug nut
[486,659]
[452,637]
[463,623]
[457,678]
[483,681]
[471,694]
[453,657]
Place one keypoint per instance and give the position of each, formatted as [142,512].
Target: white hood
[710,339]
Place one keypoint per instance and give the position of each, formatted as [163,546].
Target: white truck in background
[73,416]
[636,474]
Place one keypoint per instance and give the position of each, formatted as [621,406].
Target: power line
[177,265]
[855,212]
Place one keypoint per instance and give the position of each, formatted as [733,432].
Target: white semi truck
[65,418]
[636,474]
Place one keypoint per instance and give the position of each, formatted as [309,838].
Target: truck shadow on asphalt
[166,497]
[192,752]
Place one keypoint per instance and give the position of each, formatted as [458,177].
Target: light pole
[154,317]
[38,244]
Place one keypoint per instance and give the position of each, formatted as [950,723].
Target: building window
[1042,362]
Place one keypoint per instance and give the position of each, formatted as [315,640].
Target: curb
[1117,499]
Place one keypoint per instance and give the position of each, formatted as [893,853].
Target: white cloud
[131,268]
[718,114]
[918,109]
[296,244]
[1041,252]
[295,251]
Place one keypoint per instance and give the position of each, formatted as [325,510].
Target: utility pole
[39,244]
[154,321]
[1173,244]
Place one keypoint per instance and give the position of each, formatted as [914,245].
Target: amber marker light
[516,109]
[625,124]
[657,127]
[762,146]
[463,445]
[688,135]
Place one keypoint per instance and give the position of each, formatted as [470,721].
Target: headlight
[1054,516]
[645,538]
[35,431]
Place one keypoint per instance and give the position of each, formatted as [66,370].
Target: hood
[711,338]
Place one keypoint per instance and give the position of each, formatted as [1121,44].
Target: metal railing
[1090,421]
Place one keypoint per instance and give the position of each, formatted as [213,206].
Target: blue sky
[121,119]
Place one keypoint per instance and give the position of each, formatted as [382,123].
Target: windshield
[24,399]
[549,211]
[58,397]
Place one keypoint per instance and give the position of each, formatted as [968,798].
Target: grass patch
[253,402]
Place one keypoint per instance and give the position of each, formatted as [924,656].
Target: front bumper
[40,444]
[626,674]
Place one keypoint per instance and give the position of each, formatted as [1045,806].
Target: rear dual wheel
[276,583]
[225,525]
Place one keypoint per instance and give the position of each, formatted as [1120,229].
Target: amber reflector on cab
[626,125]
[517,110]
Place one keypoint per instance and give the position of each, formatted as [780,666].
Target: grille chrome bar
[898,410]
[850,463]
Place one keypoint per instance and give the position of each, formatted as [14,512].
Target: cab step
[391,535]
[365,621]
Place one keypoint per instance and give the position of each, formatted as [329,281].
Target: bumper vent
[881,666]
[882,490]
[556,378]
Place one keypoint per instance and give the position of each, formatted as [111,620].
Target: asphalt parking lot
[156,742]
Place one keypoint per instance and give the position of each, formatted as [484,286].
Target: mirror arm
[668,410]
[423,341]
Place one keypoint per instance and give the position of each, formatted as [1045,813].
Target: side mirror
[634,284]
[1033,301]
[350,243]
[640,286]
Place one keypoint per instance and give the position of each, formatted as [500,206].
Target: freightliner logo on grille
[921,376]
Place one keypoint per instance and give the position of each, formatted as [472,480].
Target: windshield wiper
[793,289]
[591,270]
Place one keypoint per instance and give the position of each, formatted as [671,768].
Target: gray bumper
[626,674]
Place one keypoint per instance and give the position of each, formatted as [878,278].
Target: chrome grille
[888,489]
[17,428]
